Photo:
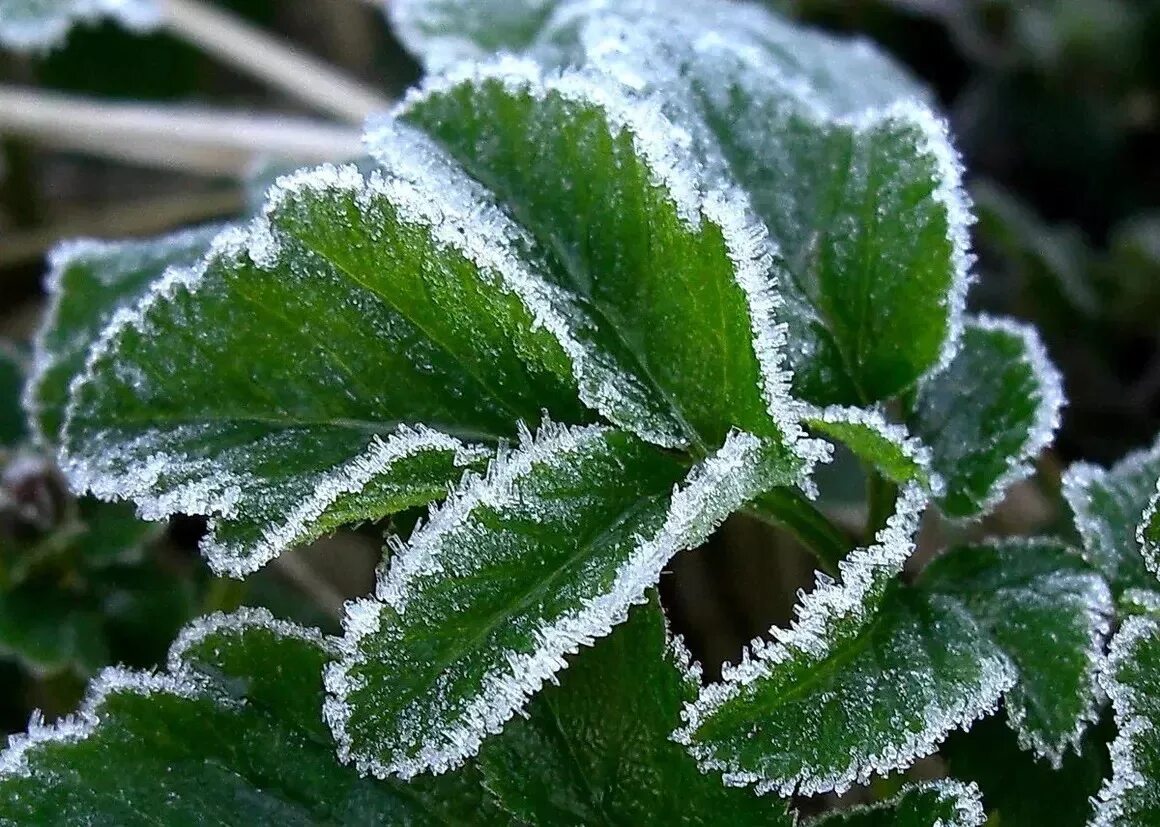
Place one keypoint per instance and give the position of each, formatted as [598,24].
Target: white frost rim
[1110,803]
[863,573]
[711,492]
[180,680]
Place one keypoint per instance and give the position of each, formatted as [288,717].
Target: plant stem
[204,140]
[787,508]
[272,60]
[881,495]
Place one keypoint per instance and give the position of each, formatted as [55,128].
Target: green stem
[881,495]
[789,509]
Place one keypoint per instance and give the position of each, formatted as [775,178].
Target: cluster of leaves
[701,247]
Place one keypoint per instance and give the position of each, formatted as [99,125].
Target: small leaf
[543,556]
[1050,612]
[942,803]
[1107,506]
[1131,677]
[230,735]
[989,413]
[1020,790]
[444,32]
[88,283]
[273,383]
[596,749]
[870,676]
[34,25]
[675,277]
[887,447]
[12,368]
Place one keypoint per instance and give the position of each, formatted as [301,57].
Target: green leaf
[870,676]
[940,803]
[230,735]
[273,383]
[12,424]
[1020,790]
[89,282]
[887,447]
[1050,613]
[1107,506]
[674,276]
[987,415]
[853,177]
[1131,678]
[36,25]
[544,555]
[595,750]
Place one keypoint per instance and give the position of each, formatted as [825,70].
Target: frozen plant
[615,272]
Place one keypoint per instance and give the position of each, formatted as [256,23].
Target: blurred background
[1055,106]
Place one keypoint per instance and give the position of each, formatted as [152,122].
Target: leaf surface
[1108,506]
[88,283]
[230,735]
[596,749]
[1050,613]
[543,556]
[988,414]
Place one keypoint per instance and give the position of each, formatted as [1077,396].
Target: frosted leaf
[1131,678]
[31,25]
[989,413]
[888,447]
[869,677]
[259,385]
[1108,506]
[229,734]
[1139,602]
[1148,533]
[88,281]
[536,560]
[596,750]
[444,32]
[676,276]
[941,803]
[1051,613]
[836,152]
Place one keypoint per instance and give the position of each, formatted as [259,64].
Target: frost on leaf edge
[1048,412]
[180,680]
[661,145]
[505,691]
[966,796]
[861,573]
[61,258]
[1125,777]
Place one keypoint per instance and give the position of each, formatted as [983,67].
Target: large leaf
[1108,507]
[1131,797]
[989,413]
[30,25]
[272,384]
[595,750]
[675,278]
[930,804]
[1050,612]
[88,282]
[543,556]
[870,676]
[854,178]
[229,735]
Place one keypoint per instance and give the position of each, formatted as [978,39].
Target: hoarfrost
[37,25]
